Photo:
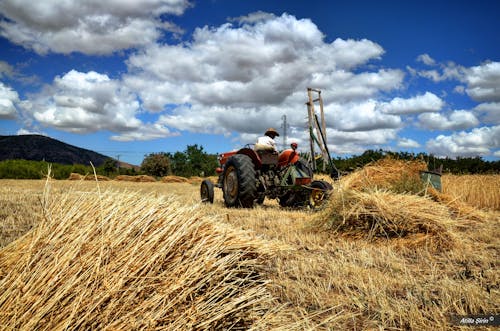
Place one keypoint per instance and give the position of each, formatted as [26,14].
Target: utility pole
[284,126]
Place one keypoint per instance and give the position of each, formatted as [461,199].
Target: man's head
[272,133]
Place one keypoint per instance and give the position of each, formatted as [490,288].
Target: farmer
[267,142]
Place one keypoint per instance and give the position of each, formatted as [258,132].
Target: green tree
[109,166]
[194,161]
[156,164]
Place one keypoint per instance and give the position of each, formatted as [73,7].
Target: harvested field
[123,255]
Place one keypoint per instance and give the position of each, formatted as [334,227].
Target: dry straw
[121,261]
[387,199]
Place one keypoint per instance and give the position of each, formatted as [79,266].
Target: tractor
[247,176]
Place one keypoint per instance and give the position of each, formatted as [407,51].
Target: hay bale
[135,179]
[174,179]
[125,261]
[75,176]
[145,179]
[383,214]
[195,180]
[99,178]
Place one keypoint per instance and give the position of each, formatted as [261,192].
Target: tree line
[194,161]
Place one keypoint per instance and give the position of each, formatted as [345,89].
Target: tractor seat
[268,156]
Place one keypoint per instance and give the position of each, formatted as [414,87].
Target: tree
[109,166]
[156,164]
[193,162]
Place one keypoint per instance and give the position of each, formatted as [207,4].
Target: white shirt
[266,142]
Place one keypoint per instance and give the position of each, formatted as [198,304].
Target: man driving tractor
[267,142]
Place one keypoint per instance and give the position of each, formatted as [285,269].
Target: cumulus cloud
[234,79]
[253,65]
[88,102]
[87,26]
[489,112]
[244,78]
[477,142]
[408,143]
[457,120]
[361,116]
[428,102]
[483,82]
[8,100]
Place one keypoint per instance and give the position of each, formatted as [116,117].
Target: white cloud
[88,102]
[497,153]
[426,59]
[477,142]
[253,65]
[457,120]
[361,116]
[408,143]
[24,131]
[428,102]
[8,100]
[490,112]
[242,79]
[87,26]
[483,82]
[340,139]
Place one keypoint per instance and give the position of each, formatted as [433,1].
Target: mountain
[39,148]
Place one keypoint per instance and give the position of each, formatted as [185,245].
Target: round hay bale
[174,179]
[124,178]
[74,176]
[136,179]
[100,178]
[145,179]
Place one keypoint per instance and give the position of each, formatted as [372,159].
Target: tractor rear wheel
[238,183]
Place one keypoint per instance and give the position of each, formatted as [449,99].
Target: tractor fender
[252,155]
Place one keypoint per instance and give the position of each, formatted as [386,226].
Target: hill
[39,148]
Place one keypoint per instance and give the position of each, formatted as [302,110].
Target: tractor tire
[319,193]
[207,191]
[238,183]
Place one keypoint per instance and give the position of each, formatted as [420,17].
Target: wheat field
[148,255]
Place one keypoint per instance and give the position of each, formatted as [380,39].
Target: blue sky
[129,78]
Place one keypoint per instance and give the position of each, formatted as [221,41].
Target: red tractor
[247,177]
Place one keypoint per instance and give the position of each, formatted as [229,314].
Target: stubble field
[117,255]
